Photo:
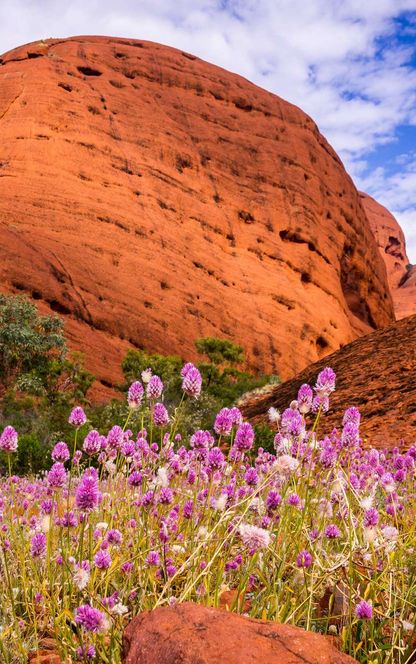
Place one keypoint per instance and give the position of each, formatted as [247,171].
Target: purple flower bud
[135,394]
[352,415]
[224,422]
[192,381]
[115,438]
[38,545]
[90,619]
[60,452]
[88,495]
[154,388]
[215,458]
[273,500]
[305,398]
[102,559]
[77,417]
[153,559]
[332,531]
[244,437]
[251,477]
[325,383]
[364,610]
[188,509]
[292,422]
[371,517]
[135,478]
[92,443]
[160,415]
[165,496]
[9,440]
[57,476]
[304,559]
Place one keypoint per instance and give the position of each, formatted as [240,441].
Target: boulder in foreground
[193,634]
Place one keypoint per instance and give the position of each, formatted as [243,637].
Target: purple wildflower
[115,438]
[371,517]
[215,458]
[92,443]
[102,559]
[87,495]
[135,394]
[244,438]
[77,417]
[332,531]
[364,610]
[305,398]
[165,496]
[135,478]
[154,388]
[86,652]
[90,619]
[292,422]
[60,452]
[192,381]
[8,440]
[114,536]
[304,559]
[77,457]
[320,403]
[251,477]
[38,545]
[273,500]
[294,500]
[188,508]
[160,415]
[224,422]
[352,415]
[57,476]
[128,448]
[153,559]
[201,440]
[350,435]
[236,415]
[325,383]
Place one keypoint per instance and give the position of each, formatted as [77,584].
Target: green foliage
[265,437]
[39,380]
[220,351]
[29,343]
[168,367]
[223,383]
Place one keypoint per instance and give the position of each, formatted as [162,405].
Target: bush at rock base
[320,534]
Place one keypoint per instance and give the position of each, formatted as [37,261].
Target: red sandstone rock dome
[392,246]
[151,198]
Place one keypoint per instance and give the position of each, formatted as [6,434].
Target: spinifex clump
[320,534]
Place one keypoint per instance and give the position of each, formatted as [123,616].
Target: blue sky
[350,64]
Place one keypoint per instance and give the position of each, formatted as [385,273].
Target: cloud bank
[350,64]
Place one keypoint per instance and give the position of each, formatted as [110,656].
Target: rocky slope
[151,198]
[375,373]
[392,246]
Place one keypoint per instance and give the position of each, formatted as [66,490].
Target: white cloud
[338,60]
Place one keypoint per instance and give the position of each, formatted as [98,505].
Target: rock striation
[392,246]
[190,634]
[375,373]
[151,198]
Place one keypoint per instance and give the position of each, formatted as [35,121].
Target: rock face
[392,246]
[151,198]
[375,373]
[192,634]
